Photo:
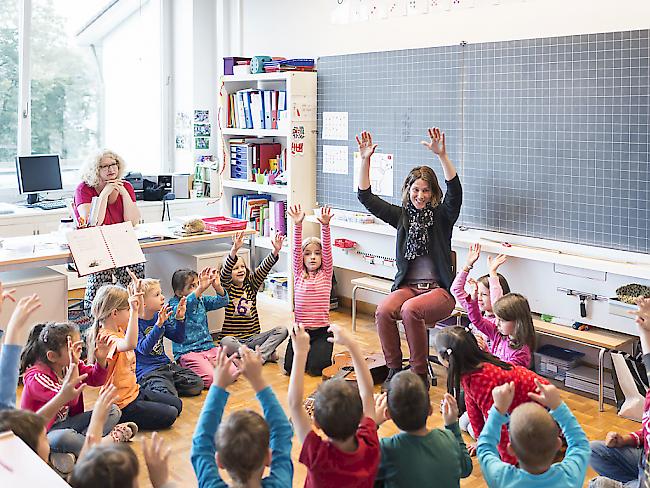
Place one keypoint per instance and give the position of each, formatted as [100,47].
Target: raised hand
[300,338]
[6,294]
[237,243]
[16,328]
[135,299]
[341,335]
[548,395]
[135,281]
[156,456]
[503,396]
[325,215]
[250,365]
[449,409]
[495,262]
[473,288]
[69,390]
[223,375]
[366,147]
[205,278]
[102,347]
[164,313]
[215,278]
[643,314]
[473,254]
[381,408]
[481,343]
[181,308]
[276,242]
[436,144]
[296,213]
[74,350]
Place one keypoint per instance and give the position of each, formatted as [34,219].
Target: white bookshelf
[300,90]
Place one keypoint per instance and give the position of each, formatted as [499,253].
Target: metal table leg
[354,308]
[601,378]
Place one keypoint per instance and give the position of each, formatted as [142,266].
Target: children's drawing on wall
[201,143]
[181,141]
[381,173]
[201,130]
[201,116]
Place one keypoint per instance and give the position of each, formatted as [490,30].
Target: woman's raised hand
[366,147]
[436,143]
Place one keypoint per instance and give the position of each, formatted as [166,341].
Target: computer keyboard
[49,204]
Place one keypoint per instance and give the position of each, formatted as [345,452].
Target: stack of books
[262,214]
[289,65]
[251,157]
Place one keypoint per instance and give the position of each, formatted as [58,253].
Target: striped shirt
[241,320]
[311,293]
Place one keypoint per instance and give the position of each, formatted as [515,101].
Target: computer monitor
[38,173]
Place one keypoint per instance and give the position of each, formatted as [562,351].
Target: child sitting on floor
[241,325]
[534,440]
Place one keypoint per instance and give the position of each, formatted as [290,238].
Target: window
[131,66]
[65,88]
[8,85]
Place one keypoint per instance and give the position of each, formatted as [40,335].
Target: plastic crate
[554,362]
[223,224]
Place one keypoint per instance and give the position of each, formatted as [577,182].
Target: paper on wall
[335,126]
[381,173]
[335,159]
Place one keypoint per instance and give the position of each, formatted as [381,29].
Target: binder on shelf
[105,247]
[257,110]
[267,98]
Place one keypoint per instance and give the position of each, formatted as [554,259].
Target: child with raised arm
[312,276]
[154,370]
[350,454]
[534,440]
[241,325]
[115,312]
[245,443]
[197,351]
[410,457]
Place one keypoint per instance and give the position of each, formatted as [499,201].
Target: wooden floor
[595,424]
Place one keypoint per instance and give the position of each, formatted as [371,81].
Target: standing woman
[101,179]
[424,223]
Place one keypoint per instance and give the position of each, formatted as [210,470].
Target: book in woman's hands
[105,247]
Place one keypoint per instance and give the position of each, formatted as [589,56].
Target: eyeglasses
[105,167]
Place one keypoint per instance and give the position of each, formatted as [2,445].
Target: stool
[369,283]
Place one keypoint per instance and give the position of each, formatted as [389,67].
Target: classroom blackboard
[550,136]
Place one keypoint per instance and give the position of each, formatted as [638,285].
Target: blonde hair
[148,284]
[305,242]
[107,299]
[514,307]
[90,170]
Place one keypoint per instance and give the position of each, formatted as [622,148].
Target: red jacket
[42,384]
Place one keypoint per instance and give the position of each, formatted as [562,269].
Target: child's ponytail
[514,307]
[32,352]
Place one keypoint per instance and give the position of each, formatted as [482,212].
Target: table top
[47,248]
[594,336]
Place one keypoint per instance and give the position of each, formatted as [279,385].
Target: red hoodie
[42,384]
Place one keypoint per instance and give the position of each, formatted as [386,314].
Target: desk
[603,340]
[47,251]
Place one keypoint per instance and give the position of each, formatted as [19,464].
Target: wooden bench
[369,283]
[603,340]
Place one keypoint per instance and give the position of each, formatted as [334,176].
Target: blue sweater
[197,334]
[9,365]
[150,353]
[204,448]
[567,474]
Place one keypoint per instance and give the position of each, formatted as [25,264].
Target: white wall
[297,28]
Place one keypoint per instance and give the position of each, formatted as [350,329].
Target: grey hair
[89,172]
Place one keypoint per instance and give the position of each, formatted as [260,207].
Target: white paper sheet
[335,126]
[335,159]
[381,173]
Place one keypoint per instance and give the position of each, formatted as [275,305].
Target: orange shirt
[121,371]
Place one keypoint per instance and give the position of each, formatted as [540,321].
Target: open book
[105,247]
[20,466]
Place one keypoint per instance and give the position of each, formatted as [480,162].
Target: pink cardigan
[499,344]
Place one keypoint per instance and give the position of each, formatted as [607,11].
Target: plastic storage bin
[223,224]
[554,362]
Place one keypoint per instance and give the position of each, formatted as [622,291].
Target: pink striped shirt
[311,294]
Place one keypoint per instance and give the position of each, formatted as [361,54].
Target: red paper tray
[223,224]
